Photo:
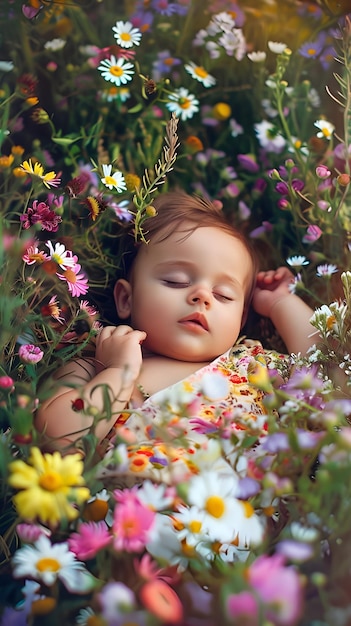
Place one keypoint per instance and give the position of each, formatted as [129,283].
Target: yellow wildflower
[49,486]
[6,161]
[37,169]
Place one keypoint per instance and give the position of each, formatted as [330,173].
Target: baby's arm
[289,314]
[117,363]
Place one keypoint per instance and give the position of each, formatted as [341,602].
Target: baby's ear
[123,298]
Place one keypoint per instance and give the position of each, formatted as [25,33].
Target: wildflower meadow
[104,105]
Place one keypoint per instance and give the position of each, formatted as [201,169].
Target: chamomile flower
[297,261]
[326,129]
[326,269]
[183,104]
[191,521]
[47,563]
[125,35]
[276,47]
[257,56]
[117,71]
[113,181]
[60,255]
[199,73]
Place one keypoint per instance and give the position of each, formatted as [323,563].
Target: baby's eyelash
[175,283]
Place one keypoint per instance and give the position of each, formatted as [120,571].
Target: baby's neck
[159,372]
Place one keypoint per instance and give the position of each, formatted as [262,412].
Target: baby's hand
[119,346]
[271,286]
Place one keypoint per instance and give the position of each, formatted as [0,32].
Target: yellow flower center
[201,72]
[43,606]
[326,132]
[184,103]
[50,481]
[110,181]
[248,509]
[48,565]
[195,526]
[125,36]
[331,321]
[116,70]
[215,506]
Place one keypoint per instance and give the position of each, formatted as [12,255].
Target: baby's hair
[177,210]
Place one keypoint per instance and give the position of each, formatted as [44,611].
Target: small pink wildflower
[278,587]
[6,382]
[90,538]
[243,606]
[34,255]
[323,172]
[30,354]
[132,522]
[77,282]
[313,233]
[30,533]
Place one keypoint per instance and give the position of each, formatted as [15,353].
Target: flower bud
[344,179]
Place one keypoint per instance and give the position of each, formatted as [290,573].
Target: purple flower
[323,172]
[282,188]
[30,354]
[40,213]
[313,233]
[248,162]
[311,49]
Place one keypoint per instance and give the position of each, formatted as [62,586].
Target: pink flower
[133,522]
[40,213]
[323,172]
[30,354]
[91,538]
[6,382]
[313,233]
[29,533]
[77,282]
[243,606]
[34,255]
[278,587]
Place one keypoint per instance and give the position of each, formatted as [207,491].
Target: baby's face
[188,294]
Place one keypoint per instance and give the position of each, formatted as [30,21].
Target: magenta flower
[279,588]
[243,606]
[6,382]
[323,172]
[248,163]
[30,354]
[90,538]
[133,522]
[77,282]
[313,233]
[40,213]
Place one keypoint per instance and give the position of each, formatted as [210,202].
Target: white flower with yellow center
[60,255]
[277,47]
[113,181]
[46,562]
[215,495]
[199,73]
[125,35]
[182,103]
[190,521]
[326,129]
[117,71]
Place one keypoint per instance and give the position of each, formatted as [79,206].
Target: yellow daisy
[49,486]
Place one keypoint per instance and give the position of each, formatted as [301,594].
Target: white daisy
[117,71]
[297,261]
[326,129]
[326,269]
[113,181]
[155,496]
[200,74]
[269,137]
[125,35]
[55,44]
[257,56]
[214,495]
[277,47]
[183,103]
[47,563]
[191,521]
[61,256]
